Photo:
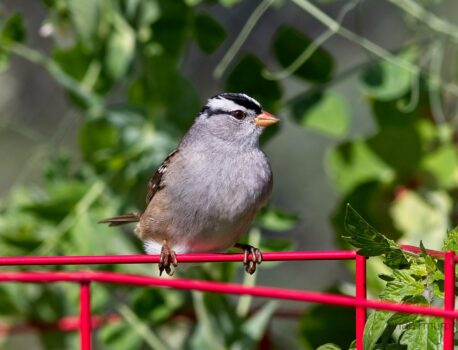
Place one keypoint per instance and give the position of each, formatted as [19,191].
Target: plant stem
[241,38]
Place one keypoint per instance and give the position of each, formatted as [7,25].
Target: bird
[207,191]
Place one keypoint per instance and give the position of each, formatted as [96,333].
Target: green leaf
[353,163]
[403,286]
[442,165]
[247,77]
[364,236]
[327,114]
[120,48]
[208,33]
[276,220]
[425,333]
[386,80]
[451,241]
[85,15]
[329,346]
[371,242]
[289,44]
[13,30]
[376,325]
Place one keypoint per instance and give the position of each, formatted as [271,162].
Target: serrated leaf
[208,33]
[425,333]
[371,242]
[451,241]
[364,236]
[289,44]
[403,285]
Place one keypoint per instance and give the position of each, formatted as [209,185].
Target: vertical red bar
[85,316]
[360,294]
[449,299]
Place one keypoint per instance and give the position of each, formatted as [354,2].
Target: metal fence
[359,301]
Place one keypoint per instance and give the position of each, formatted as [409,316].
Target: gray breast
[215,195]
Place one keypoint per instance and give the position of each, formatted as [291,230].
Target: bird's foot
[167,260]
[256,257]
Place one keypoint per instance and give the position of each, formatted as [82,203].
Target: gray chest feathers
[212,191]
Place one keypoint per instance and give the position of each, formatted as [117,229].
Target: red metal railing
[359,302]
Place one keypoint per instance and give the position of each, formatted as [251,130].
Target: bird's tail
[121,220]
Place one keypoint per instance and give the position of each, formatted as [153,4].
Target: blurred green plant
[402,177]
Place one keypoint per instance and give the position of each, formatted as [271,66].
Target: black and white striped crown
[228,102]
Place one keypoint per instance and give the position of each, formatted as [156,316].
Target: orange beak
[265,119]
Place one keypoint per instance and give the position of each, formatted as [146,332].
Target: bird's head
[235,117]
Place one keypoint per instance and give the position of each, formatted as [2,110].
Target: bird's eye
[238,114]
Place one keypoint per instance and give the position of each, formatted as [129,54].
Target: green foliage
[132,50]
[415,279]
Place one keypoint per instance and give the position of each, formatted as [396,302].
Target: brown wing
[155,183]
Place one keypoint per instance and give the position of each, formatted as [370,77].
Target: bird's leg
[168,258]
[256,257]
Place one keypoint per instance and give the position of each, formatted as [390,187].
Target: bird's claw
[167,260]
[256,257]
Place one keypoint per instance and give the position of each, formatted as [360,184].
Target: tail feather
[121,220]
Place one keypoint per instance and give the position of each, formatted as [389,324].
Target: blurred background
[95,93]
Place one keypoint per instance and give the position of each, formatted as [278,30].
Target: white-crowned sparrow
[208,190]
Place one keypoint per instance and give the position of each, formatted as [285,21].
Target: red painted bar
[360,295]
[435,253]
[182,258]
[449,299]
[219,287]
[85,325]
